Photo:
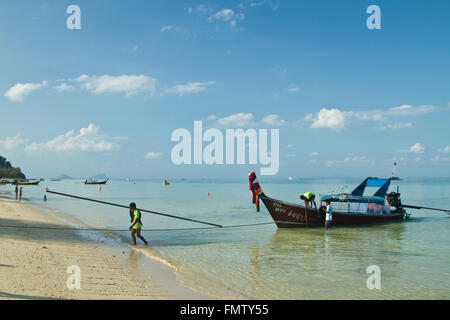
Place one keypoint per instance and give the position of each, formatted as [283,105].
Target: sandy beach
[34,262]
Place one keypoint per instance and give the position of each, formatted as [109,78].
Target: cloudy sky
[348,101]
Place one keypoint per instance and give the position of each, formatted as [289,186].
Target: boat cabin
[358,202]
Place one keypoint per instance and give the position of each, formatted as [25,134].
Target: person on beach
[309,197]
[329,215]
[136,226]
[20,194]
[17,189]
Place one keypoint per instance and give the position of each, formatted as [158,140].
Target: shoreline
[35,260]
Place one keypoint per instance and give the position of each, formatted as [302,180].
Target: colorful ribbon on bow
[255,189]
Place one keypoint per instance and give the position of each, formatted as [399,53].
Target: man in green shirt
[309,197]
[136,226]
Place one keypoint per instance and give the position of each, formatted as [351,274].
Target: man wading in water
[136,226]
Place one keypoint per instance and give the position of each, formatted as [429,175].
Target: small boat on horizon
[93,181]
[166,182]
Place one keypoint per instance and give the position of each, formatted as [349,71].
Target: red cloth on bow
[254,186]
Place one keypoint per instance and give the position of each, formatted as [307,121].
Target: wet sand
[34,262]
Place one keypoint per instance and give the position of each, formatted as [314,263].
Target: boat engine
[394,200]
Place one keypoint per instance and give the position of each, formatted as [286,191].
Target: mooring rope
[127,207]
[213,225]
[142,230]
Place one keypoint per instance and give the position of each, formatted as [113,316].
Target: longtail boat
[93,181]
[348,208]
[29,183]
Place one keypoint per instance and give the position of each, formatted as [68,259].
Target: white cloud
[236,120]
[292,88]
[87,139]
[333,119]
[417,148]
[438,159]
[351,158]
[397,126]
[190,87]
[314,154]
[10,143]
[245,120]
[273,120]
[200,9]
[445,150]
[228,15]
[21,90]
[177,29]
[408,110]
[273,4]
[153,155]
[129,84]
[168,28]
[64,87]
[81,78]
[223,15]
[336,119]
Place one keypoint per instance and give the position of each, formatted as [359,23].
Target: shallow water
[263,262]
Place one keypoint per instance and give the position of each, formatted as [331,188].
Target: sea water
[265,262]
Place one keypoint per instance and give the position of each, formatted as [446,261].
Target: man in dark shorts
[309,197]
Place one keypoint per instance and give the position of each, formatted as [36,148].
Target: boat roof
[357,194]
[349,198]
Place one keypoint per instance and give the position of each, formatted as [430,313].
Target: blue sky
[348,101]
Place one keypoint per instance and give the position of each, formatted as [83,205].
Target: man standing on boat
[136,226]
[309,197]
[328,215]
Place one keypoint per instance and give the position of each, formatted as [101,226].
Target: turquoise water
[263,262]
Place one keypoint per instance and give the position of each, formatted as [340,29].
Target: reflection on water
[268,263]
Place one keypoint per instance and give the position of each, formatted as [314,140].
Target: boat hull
[96,182]
[288,215]
[29,183]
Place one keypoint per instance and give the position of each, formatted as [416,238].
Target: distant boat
[55,179]
[93,181]
[166,182]
[290,178]
[29,183]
